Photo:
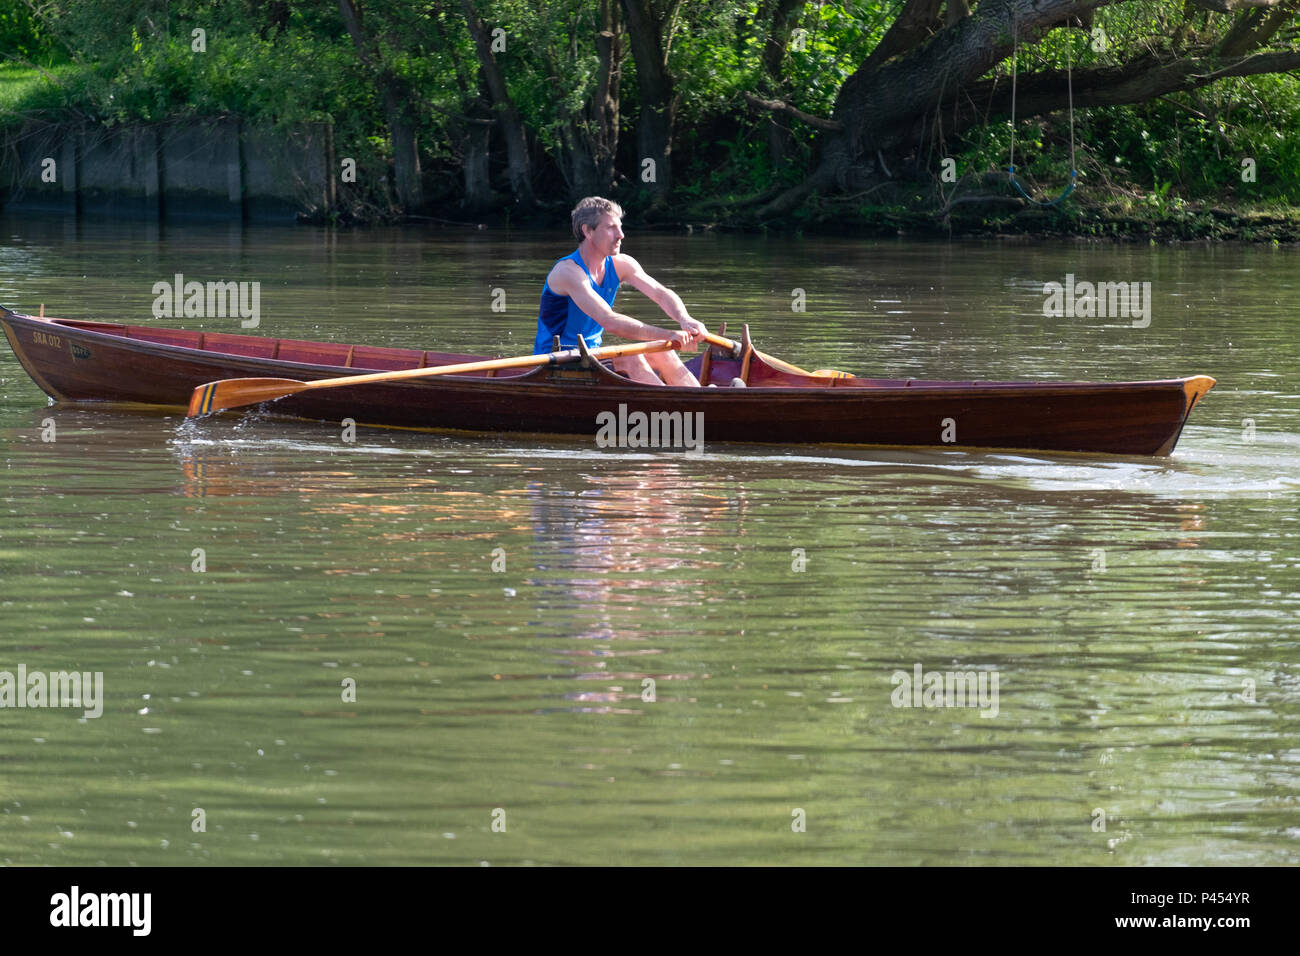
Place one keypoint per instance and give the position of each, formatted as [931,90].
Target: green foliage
[1166,141]
[290,63]
[1183,146]
[139,62]
[24,36]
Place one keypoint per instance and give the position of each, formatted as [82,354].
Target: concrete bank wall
[219,169]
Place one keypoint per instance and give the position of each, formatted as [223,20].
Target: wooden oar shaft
[522,361]
[236,392]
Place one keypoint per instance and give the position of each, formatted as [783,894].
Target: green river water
[677,660]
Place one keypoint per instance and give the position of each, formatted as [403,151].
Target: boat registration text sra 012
[44,338]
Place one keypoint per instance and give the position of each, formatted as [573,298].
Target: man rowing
[579,293]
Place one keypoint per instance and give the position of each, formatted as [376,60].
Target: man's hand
[691,334]
[685,341]
[693,326]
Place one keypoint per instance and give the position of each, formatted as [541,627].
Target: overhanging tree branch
[1135,82]
[878,106]
[1232,6]
[882,107]
[916,24]
[781,106]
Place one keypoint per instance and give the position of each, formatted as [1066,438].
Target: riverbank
[56,158]
[1119,220]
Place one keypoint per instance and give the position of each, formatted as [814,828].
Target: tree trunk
[477,139]
[879,105]
[780,142]
[478,188]
[395,97]
[880,108]
[918,21]
[655,86]
[512,125]
[406,155]
[577,163]
[589,136]
[605,105]
[472,132]
[1254,28]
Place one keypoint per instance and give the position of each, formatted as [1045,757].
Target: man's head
[589,213]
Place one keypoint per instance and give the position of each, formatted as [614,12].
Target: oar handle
[728,344]
[735,348]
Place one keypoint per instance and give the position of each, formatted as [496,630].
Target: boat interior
[363,358]
[711,365]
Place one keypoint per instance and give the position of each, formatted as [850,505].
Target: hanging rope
[1011,167]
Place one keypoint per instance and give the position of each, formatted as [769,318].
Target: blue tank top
[560,315]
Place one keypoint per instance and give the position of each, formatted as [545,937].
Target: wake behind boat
[80,361]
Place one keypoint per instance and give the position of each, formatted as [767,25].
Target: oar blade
[236,392]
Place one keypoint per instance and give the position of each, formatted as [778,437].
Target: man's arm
[630,271]
[568,279]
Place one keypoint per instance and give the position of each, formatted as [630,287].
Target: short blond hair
[589,211]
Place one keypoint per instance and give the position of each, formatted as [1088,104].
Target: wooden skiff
[77,361]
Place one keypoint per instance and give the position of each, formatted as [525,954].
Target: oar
[235,392]
[736,349]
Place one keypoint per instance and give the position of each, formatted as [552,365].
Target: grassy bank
[27,91]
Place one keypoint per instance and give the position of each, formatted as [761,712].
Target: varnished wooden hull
[89,361]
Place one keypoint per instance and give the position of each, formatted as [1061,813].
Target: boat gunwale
[530,378]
